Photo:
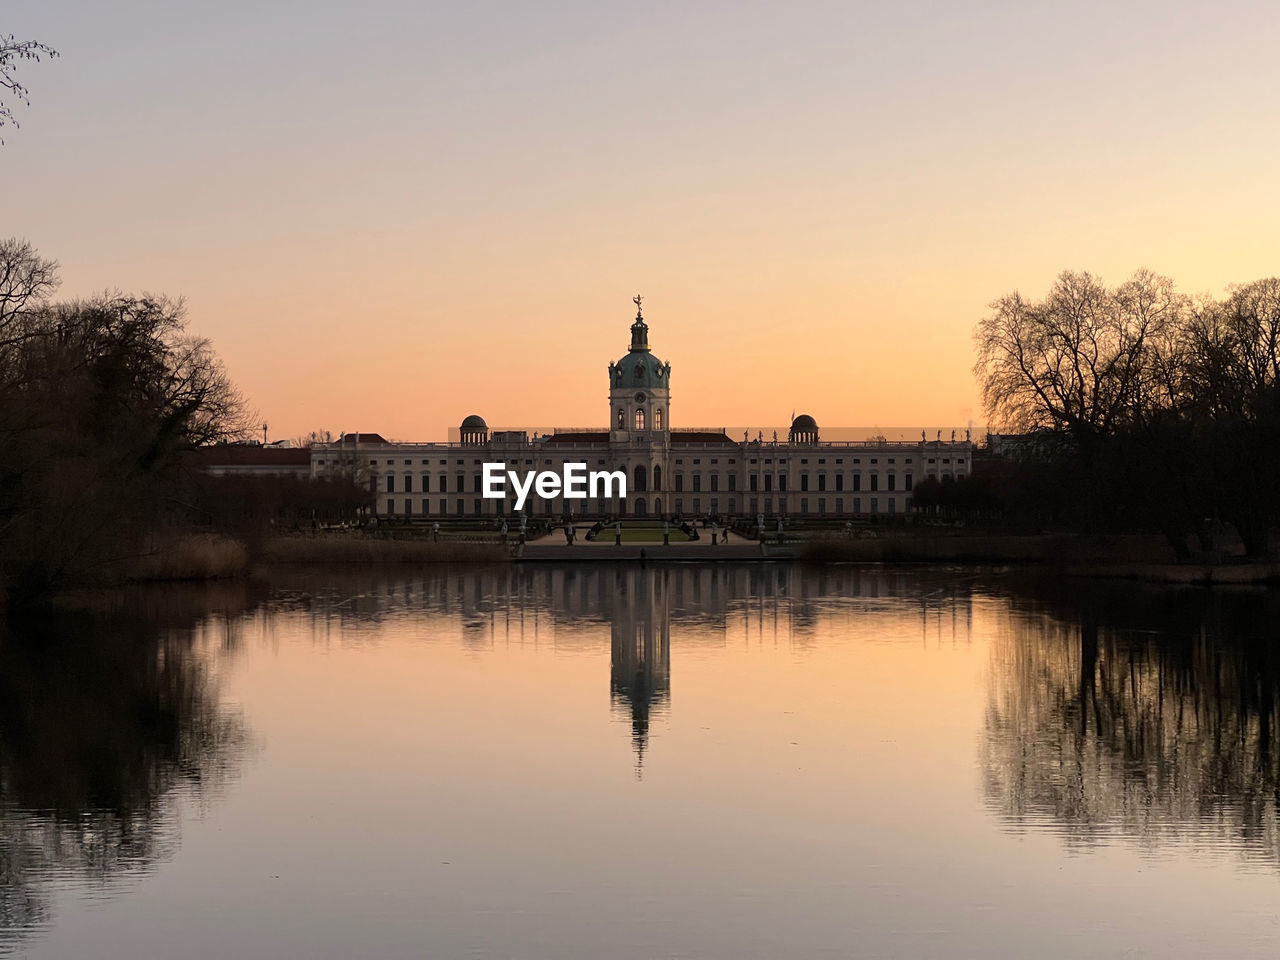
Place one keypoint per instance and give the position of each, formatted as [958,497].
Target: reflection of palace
[640,631]
[643,607]
[669,471]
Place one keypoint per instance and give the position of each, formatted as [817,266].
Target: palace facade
[670,472]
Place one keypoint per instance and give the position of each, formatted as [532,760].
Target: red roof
[252,455]
[699,436]
[581,437]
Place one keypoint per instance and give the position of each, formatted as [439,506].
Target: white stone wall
[742,479]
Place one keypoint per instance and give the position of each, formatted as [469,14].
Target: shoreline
[1135,558]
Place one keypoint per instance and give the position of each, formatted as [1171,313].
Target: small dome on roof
[804,429]
[474,422]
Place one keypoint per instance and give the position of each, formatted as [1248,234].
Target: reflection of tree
[1149,713]
[104,720]
[640,630]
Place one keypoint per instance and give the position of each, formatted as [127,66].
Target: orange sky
[391,217]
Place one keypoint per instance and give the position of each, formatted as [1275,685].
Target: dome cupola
[639,368]
[474,430]
[804,429]
[639,391]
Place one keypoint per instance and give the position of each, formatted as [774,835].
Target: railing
[453,444]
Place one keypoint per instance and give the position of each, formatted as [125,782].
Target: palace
[670,472]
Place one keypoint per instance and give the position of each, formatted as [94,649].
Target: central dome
[640,368]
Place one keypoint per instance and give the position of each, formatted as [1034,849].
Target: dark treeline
[247,506]
[99,399]
[1140,408]
[102,402]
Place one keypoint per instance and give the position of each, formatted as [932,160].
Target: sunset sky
[389,215]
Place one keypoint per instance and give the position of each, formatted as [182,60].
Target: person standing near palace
[435,531]
[666,533]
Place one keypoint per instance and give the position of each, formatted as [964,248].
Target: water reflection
[640,651]
[451,758]
[105,719]
[1140,712]
[642,607]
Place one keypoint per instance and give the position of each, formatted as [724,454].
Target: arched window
[657,419]
[657,478]
[622,419]
[641,474]
[640,418]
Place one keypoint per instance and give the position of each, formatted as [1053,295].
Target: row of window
[424,506]
[639,482]
[638,419]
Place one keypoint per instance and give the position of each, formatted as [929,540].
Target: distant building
[254,459]
[670,472]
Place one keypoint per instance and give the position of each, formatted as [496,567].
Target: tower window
[657,419]
[640,419]
[622,419]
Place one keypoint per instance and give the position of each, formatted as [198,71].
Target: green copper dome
[640,368]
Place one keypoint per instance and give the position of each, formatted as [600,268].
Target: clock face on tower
[640,398]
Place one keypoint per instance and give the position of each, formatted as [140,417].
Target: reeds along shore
[1133,557]
[358,549]
[202,556]
[991,548]
[209,556]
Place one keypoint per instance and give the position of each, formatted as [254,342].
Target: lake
[668,761]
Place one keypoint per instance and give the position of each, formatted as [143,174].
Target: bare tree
[101,400]
[12,52]
[1169,407]
[1084,360]
[26,282]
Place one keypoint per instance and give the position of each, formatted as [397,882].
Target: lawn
[641,535]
